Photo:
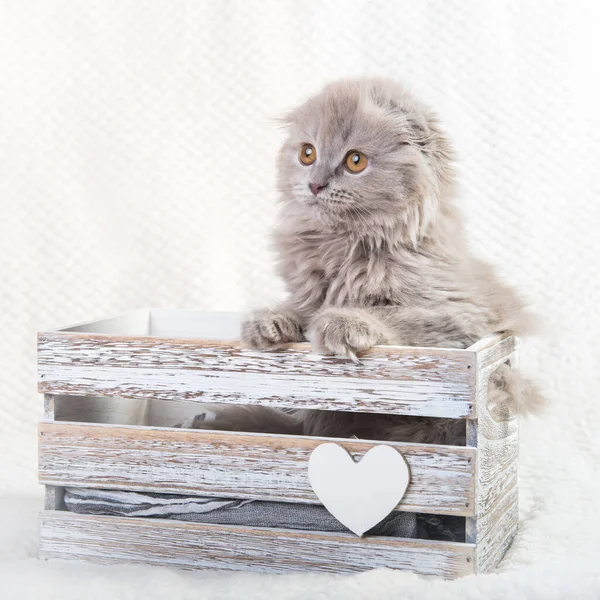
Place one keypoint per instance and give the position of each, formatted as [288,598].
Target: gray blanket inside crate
[225,512]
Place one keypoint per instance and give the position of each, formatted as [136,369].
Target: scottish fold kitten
[372,251]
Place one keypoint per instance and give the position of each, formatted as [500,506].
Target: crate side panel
[236,465]
[196,324]
[497,438]
[110,540]
[497,493]
[390,380]
[136,322]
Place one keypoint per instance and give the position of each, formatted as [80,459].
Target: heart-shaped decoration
[358,495]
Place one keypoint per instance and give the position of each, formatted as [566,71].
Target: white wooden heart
[358,495]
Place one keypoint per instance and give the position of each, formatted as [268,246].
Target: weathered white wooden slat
[109,540]
[487,342]
[237,465]
[388,380]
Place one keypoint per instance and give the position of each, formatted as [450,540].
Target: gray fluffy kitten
[372,251]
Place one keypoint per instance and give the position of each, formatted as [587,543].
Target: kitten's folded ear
[435,181]
[420,128]
[420,134]
[426,133]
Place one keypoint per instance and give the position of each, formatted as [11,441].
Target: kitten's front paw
[270,329]
[345,332]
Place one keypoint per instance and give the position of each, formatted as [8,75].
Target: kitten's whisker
[355,210]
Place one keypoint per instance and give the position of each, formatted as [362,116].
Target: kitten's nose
[315,188]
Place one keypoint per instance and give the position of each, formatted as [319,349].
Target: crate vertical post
[53,495]
[494,433]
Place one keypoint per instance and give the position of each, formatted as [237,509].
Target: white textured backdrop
[137,148]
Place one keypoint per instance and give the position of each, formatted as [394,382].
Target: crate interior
[164,413]
[168,323]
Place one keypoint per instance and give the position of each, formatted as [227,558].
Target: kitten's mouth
[324,202]
[328,211]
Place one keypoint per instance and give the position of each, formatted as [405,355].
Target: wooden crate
[191,356]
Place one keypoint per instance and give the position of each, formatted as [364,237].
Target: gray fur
[378,257]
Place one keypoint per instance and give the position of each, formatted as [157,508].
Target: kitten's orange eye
[308,154]
[356,161]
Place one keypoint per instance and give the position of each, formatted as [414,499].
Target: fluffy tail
[510,392]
